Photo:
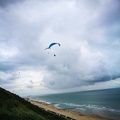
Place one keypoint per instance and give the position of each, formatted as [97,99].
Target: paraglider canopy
[52,45]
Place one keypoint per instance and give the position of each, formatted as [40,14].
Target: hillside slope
[13,107]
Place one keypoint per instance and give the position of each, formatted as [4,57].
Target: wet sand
[66,113]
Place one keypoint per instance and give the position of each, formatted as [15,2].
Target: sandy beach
[66,113]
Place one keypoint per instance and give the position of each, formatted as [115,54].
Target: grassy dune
[13,107]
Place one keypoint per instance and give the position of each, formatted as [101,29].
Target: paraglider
[52,44]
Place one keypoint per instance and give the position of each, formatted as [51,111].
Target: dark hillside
[13,107]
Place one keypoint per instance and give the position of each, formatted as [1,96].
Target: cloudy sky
[89,55]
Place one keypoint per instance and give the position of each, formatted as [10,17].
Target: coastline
[67,113]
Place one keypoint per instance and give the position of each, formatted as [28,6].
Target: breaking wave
[90,109]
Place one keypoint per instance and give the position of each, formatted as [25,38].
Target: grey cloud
[8,77]
[89,51]
[6,66]
[78,73]
[5,3]
[104,78]
[29,86]
[111,15]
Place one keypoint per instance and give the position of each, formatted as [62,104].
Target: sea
[104,103]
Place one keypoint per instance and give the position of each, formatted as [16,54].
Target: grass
[13,107]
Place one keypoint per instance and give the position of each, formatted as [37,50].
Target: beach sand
[66,113]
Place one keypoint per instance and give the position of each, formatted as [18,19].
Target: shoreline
[67,113]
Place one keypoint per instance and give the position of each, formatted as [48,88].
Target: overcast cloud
[89,55]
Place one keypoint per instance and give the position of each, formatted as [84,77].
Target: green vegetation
[13,107]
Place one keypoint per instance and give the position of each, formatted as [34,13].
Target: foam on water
[91,109]
[89,106]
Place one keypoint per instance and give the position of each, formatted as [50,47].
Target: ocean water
[105,103]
